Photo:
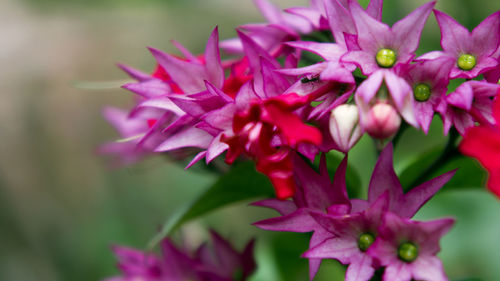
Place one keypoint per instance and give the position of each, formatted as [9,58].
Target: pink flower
[472,51]
[407,249]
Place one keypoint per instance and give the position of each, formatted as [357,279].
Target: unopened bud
[344,126]
[382,121]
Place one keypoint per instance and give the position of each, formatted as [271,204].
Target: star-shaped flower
[472,51]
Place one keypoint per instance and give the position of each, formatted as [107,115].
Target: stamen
[365,240]
[422,92]
[466,62]
[407,252]
[386,58]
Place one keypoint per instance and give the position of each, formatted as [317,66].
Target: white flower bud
[344,126]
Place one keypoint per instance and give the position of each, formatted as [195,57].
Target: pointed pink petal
[361,269]
[485,42]
[298,221]
[418,196]
[343,250]
[216,148]
[340,20]
[192,137]
[428,268]
[328,51]
[213,63]
[185,52]
[455,38]
[134,73]
[188,76]
[372,34]
[374,9]
[384,178]
[195,159]
[364,60]
[149,89]
[284,207]
[407,31]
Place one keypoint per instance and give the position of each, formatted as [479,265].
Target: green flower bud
[466,62]
[407,252]
[365,240]
[386,58]
[422,92]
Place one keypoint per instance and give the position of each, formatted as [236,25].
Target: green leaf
[469,172]
[242,182]
[353,181]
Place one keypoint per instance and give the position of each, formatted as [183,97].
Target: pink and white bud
[382,121]
[344,126]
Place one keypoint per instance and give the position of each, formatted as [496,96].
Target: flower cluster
[312,80]
[364,234]
[270,101]
[221,262]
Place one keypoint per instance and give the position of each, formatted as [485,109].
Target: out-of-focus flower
[383,47]
[472,51]
[471,102]
[221,262]
[344,126]
[407,249]
[382,121]
[483,143]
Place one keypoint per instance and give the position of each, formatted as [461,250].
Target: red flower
[267,132]
[483,143]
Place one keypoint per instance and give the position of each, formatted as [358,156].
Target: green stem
[450,152]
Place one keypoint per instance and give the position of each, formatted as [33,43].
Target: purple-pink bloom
[473,51]
[383,47]
[218,262]
[350,238]
[407,249]
[429,82]
[471,102]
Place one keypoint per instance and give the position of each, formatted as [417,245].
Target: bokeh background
[61,206]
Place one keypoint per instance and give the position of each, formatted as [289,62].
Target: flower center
[407,252]
[386,58]
[365,240]
[466,62]
[422,92]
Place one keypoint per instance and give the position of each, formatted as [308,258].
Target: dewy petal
[485,40]
[407,31]
[213,62]
[454,37]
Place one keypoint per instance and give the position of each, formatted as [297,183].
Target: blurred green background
[61,207]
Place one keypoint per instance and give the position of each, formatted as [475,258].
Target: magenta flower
[407,249]
[471,102]
[218,263]
[351,236]
[472,51]
[383,47]
[315,192]
[429,81]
